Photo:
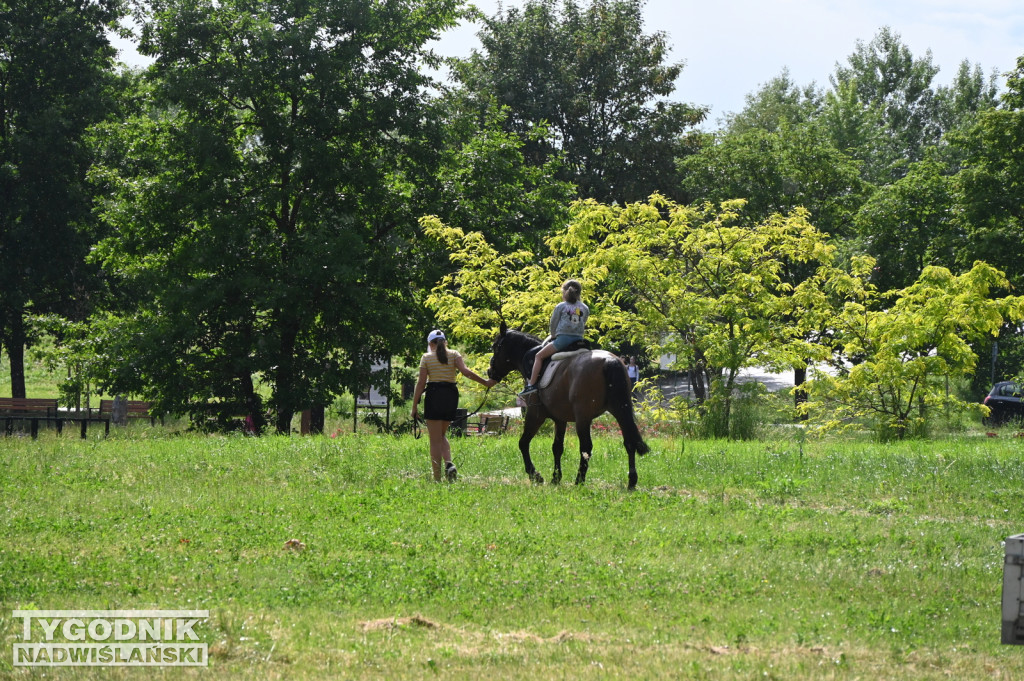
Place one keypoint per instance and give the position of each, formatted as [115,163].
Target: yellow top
[437,372]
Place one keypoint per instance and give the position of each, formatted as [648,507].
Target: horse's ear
[503,329]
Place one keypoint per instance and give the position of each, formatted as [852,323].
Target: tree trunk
[284,380]
[799,396]
[14,342]
[316,421]
[253,406]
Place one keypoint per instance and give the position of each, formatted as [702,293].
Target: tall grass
[734,560]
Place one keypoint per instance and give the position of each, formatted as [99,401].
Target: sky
[731,47]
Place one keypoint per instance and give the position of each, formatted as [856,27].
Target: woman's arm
[418,392]
[460,364]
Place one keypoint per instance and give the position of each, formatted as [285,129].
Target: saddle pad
[549,372]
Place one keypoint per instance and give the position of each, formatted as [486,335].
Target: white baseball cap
[435,335]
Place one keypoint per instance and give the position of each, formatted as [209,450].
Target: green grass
[845,560]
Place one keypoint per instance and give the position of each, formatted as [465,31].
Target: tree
[778,103]
[265,210]
[898,351]
[988,189]
[909,225]
[988,204]
[969,93]
[598,83]
[887,79]
[778,171]
[55,60]
[485,184]
[696,282]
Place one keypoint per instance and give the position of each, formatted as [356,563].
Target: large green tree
[55,63]
[265,208]
[598,82]
[778,171]
[989,189]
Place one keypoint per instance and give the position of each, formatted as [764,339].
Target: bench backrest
[134,407]
[28,405]
[494,424]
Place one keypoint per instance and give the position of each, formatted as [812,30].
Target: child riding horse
[583,387]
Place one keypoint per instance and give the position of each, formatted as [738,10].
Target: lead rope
[417,432]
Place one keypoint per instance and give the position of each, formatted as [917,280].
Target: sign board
[373,398]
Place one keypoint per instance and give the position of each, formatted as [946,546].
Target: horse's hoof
[580,481]
[537,479]
[556,478]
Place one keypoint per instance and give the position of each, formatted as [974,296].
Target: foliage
[777,104]
[486,287]
[778,171]
[263,210]
[909,225]
[897,348]
[598,82]
[698,282]
[485,182]
[55,66]
[889,80]
[988,192]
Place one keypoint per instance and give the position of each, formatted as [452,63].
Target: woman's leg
[440,449]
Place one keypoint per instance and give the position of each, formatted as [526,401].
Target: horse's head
[501,362]
[509,348]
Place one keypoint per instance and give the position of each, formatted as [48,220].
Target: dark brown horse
[583,387]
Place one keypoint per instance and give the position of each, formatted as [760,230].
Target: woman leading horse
[583,387]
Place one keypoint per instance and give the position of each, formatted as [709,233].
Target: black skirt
[440,401]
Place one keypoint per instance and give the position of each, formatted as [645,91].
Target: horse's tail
[619,401]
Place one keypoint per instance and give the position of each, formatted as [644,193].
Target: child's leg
[545,352]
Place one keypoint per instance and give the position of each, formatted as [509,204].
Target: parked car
[1004,401]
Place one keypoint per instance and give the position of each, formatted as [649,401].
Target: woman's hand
[415,412]
[490,383]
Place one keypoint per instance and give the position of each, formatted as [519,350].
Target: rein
[417,432]
[481,405]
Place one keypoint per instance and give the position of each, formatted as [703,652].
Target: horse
[584,386]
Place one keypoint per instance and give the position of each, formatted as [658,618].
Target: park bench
[36,409]
[488,424]
[134,409]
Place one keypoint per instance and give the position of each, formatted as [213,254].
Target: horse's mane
[520,340]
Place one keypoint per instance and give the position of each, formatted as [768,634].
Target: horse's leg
[534,420]
[557,448]
[586,449]
[631,451]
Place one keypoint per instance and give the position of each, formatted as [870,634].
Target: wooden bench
[488,424]
[136,409]
[36,409]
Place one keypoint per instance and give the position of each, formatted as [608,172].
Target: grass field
[845,560]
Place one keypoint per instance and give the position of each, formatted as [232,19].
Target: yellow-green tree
[695,282]
[700,283]
[899,347]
